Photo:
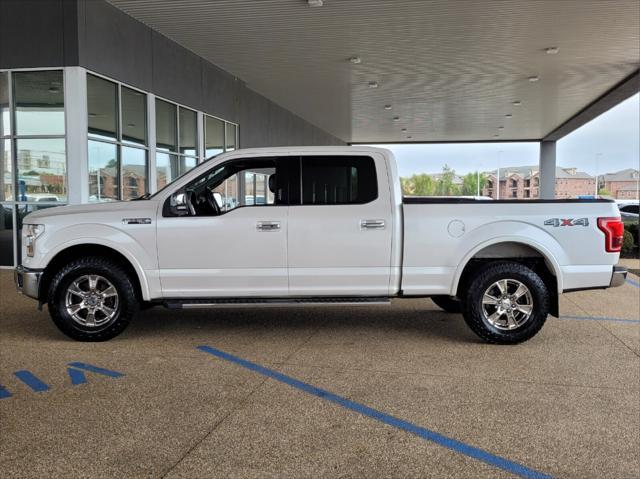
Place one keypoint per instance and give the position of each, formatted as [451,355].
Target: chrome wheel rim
[507,304]
[91,300]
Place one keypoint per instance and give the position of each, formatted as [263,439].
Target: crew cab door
[236,249]
[340,231]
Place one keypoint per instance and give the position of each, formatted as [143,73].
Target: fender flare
[142,278]
[546,254]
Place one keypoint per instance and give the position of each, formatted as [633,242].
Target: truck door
[339,237]
[235,249]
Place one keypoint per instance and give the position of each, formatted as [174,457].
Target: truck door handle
[372,224]
[268,225]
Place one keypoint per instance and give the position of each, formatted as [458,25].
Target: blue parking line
[424,433]
[95,369]
[633,283]
[76,376]
[31,380]
[4,392]
[601,318]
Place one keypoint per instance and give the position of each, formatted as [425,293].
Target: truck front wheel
[92,299]
[505,303]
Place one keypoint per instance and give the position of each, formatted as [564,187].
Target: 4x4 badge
[567,222]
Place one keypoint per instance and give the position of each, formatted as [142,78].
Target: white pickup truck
[315,225]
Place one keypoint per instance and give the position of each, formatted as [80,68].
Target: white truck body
[391,246]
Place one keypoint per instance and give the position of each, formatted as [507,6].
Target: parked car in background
[334,230]
[629,210]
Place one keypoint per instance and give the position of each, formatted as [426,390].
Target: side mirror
[218,197]
[179,202]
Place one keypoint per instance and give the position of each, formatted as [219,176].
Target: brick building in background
[621,185]
[523,182]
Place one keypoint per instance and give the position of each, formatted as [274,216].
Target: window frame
[280,162]
[300,182]
[14,205]
[119,141]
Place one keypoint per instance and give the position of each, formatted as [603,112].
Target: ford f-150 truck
[315,225]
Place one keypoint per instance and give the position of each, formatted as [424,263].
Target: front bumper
[27,281]
[618,277]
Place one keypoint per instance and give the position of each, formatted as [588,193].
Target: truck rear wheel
[92,299]
[448,304]
[505,303]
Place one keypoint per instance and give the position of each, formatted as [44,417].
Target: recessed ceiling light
[396,118]
[551,50]
[508,115]
[355,60]
[517,103]
[373,84]
[501,128]
[315,3]
[387,107]
[533,78]
[404,129]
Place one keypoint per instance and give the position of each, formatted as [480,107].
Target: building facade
[622,185]
[96,106]
[523,182]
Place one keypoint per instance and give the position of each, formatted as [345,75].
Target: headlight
[31,233]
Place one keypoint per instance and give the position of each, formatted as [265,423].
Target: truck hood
[97,209]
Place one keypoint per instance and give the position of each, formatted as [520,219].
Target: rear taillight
[613,229]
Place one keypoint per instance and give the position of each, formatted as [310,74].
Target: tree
[470,183]
[418,185]
[603,192]
[445,185]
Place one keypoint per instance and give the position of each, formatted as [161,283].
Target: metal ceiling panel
[450,69]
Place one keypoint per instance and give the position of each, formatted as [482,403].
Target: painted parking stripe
[424,433]
[76,376]
[601,318]
[4,392]
[633,283]
[31,380]
[95,369]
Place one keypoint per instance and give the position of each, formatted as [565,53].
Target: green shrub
[632,228]
[627,242]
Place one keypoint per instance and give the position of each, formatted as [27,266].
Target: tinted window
[338,180]
[630,209]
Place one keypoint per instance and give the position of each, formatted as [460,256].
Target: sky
[610,142]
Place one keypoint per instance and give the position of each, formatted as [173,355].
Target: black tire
[127,302]
[484,278]
[448,304]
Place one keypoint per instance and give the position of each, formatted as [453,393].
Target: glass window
[186,163]
[166,128]
[42,170]
[334,180]
[4,104]
[134,116]
[6,235]
[214,136]
[103,171]
[188,131]
[239,183]
[39,103]
[102,105]
[134,172]
[166,169]
[6,171]
[231,137]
